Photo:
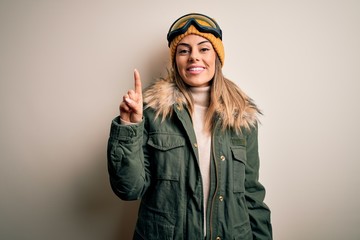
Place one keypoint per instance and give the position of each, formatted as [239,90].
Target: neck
[201,95]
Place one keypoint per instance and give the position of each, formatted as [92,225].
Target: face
[195,59]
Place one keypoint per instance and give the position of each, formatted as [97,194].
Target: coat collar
[164,95]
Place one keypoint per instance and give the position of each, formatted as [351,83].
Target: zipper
[216,184]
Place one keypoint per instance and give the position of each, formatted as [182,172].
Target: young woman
[188,148]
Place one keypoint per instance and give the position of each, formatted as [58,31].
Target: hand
[131,108]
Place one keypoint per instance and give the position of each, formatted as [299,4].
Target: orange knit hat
[215,41]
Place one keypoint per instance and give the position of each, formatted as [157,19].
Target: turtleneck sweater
[201,97]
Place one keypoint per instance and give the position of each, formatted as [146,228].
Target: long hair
[227,101]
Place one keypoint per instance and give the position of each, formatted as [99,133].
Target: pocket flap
[239,154]
[165,142]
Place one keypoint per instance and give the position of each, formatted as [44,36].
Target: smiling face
[195,60]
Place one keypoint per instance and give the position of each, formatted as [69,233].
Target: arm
[128,171]
[126,165]
[259,213]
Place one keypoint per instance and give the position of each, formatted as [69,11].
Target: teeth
[196,69]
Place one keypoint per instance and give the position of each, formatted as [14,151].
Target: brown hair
[227,101]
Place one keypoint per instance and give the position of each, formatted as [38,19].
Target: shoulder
[162,95]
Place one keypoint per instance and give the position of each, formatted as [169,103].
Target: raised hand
[131,108]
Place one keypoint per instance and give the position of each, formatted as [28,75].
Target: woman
[191,155]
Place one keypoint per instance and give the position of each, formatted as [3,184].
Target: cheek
[212,65]
[211,59]
[180,65]
[179,68]
[178,62]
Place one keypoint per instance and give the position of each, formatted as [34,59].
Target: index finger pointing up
[137,81]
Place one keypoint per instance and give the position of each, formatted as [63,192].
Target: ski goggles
[201,22]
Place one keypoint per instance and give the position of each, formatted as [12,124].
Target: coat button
[221,198]
[195,145]
[218,238]
[222,157]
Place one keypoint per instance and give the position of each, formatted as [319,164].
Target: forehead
[194,39]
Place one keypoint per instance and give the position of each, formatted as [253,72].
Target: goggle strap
[207,29]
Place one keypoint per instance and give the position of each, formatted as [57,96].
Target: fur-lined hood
[163,95]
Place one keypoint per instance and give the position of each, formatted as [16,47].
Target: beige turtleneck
[201,96]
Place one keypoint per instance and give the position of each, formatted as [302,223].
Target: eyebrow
[188,45]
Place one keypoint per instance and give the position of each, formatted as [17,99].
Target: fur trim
[163,95]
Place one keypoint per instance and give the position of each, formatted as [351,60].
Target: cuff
[125,131]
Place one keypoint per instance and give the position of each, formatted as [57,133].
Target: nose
[194,56]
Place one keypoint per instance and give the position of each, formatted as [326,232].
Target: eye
[204,49]
[183,51]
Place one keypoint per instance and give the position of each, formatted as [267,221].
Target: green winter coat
[157,161]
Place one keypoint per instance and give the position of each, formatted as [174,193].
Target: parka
[157,161]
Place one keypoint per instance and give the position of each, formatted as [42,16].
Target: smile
[196,69]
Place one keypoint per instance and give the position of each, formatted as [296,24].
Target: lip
[195,69]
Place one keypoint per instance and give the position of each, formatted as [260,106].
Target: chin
[197,82]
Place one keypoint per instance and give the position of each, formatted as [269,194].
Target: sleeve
[128,170]
[259,212]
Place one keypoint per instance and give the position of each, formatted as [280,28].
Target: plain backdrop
[65,65]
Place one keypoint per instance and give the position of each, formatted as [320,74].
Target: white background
[64,66]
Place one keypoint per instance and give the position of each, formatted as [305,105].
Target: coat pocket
[239,161]
[243,232]
[167,154]
[153,225]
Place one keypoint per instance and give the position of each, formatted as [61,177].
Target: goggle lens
[181,25]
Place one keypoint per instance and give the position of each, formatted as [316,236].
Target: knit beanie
[216,42]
